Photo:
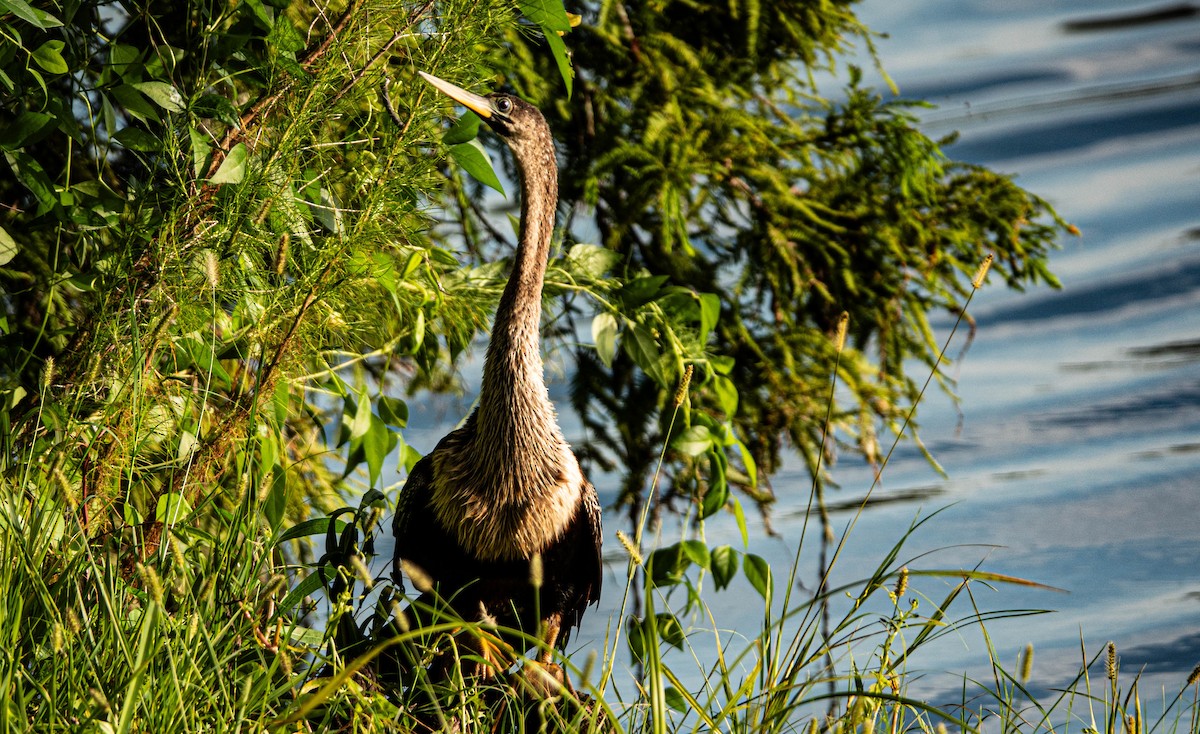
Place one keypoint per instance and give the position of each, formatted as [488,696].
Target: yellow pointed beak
[475,103]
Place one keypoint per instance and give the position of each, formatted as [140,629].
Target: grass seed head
[535,571]
[902,582]
[398,614]
[1027,663]
[630,548]
[73,622]
[981,274]
[212,271]
[47,373]
[420,580]
[362,572]
[589,667]
[839,337]
[1111,668]
[151,581]
[1194,678]
[681,392]
[281,254]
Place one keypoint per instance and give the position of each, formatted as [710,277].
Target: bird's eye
[504,105]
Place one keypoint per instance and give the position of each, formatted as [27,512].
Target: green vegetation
[230,240]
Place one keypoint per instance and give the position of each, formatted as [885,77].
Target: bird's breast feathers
[510,513]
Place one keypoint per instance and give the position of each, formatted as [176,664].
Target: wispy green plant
[221,274]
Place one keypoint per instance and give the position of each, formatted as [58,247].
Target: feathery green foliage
[219,267]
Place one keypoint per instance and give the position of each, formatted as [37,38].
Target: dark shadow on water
[1147,16]
[1181,449]
[1169,405]
[1177,656]
[1073,134]
[1188,351]
[880,499]
[1155,357]
[974,85]
[1174,279]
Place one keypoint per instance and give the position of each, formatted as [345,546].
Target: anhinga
[505,487]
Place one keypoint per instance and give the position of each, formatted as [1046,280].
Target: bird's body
[505,488]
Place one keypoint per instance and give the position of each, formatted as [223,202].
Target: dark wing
[411,509]
[587,569]
[591,506]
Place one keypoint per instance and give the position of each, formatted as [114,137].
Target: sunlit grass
[215,630]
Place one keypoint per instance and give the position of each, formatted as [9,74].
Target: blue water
[1079,447]
[1075,453]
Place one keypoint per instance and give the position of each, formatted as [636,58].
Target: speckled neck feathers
[511,456]
[514,408]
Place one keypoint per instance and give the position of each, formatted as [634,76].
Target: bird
[499,521]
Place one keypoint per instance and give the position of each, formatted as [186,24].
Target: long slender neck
[516,420]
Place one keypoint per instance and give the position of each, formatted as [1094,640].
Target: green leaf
[409,457]
[675,700]
[694,441]
[49,57]
[284,37]
[724,565]
[463,131]
[640,291]
[473,159]
[721,363]
[201,151]
[200,353]
[216,107]
[639,344]
[718,489]
[377,444]
[636,639]
[758,573]
[666,565]
[121,57]
[276,501]
[444,256]
[28,128]
[162,94]
[135,103]
[547,13]
[727,395]
[604,334]
[740,516]
[33,177]
[393,411]
[710,313]
[279,401]
[748,463]
[172,508]
[264,15]
[669,629]
[136,139]
[33,16]
[558,49]
[8,247]
[361,423]
[592,261]
[307,587]
[233,168]
[698,552]
[314,526]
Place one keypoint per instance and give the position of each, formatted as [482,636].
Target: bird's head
[519,123]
